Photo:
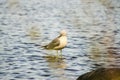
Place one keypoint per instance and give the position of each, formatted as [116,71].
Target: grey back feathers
[52,44]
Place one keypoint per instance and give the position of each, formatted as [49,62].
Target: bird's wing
[53,44]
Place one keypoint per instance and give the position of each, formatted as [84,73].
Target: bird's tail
[45,46]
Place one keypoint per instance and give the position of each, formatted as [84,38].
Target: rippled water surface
[25,25]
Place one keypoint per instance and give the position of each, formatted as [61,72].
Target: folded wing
[52,44]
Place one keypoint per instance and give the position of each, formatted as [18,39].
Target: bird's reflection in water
[57,66]
[55,61]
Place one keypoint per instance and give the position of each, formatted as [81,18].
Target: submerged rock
[102,74]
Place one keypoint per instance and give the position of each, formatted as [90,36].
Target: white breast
[63,42]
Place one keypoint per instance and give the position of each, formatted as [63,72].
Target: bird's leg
[61,52]
[57,53]
[50,52]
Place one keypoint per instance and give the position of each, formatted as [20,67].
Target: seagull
[58,43]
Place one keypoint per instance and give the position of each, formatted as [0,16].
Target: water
[93,38]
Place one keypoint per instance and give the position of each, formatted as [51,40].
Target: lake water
[93,29]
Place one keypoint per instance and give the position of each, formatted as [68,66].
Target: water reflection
[103,54]
[13,3]
[108,39]
[95,51]
[57,65]
[55,61]
[34,32]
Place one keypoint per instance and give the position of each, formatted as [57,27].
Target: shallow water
[93,38]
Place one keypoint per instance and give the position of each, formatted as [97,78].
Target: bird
[58,43]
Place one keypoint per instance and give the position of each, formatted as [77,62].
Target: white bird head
[63,32]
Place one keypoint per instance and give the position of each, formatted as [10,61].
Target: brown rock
[102,74]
